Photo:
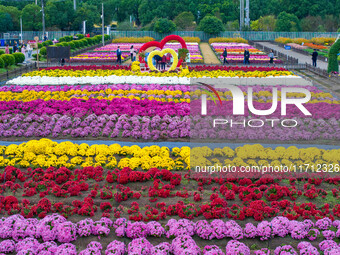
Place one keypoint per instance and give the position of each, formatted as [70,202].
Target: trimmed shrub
[40,45]
[333,64]
[9,59]
[80,36]
[43,51]
[76,44]
[85,42]
[19,57]
[72,45]
[62,39]
[2,63]
[106,37]
[68,38]
[65,44]
[35,56]
[2,52]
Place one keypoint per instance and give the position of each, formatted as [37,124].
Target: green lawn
[4,70]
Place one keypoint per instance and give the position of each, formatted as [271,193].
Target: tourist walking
[131,52]
[315,57]
[225,54]
[29,51]
[246,57]
[23,51]
[15,47]
[7,49]
[119,55]
[271,57]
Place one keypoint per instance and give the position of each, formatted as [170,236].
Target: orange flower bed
[315,46]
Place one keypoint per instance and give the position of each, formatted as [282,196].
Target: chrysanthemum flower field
[105,167]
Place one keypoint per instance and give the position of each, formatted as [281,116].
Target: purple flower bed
[22,236]
[137,127]
[80,108]
[306,129]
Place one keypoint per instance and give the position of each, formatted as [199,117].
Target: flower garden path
[208,55]
[302,58]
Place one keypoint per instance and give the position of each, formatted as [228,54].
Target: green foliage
[88,12]
[35,56]
[19,57]
[43,51]
[339,30]
[76,44]
[211,25]
[85,42]
[183,53]
[9,59]
[65,44]
[106,37]
[125,26]
[60,14]
[31,18]
[266,23]
[2,52]
[72,45]
[185,21]
[287,23]
[164,25]
[2,63]
[80,36]
[6,23]
[15,13]
[40,45]
[333,64]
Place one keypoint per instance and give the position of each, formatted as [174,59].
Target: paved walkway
[302,58]
[208,55]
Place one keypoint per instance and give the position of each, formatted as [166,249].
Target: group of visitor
[24,48]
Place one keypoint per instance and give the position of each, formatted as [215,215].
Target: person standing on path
[271,57]
[119,55]
[225,54]
[314,57]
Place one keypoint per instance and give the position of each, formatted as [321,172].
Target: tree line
[211,16]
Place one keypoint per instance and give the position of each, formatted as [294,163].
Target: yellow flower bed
[256,155]
[109,94]
[192,74]
[144,39]
[45,153]
[227,40]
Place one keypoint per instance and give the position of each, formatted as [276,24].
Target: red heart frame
[161,45]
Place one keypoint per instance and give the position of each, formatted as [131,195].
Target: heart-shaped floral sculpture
[161,45]
[161,54]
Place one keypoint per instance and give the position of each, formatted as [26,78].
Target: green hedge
[43,51]
[19,57]
[2,63]
[2,52]
[8,59]
[333,64]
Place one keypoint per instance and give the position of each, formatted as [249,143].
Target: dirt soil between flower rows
[208,55]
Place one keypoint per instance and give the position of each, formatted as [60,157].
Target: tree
[15,15]
[86,12]
[211,25]
[31,18]
[6,23]
[287,22]
[266,23]
[164,25]
[60,14]
[125,26]
[184,20]
[309,23]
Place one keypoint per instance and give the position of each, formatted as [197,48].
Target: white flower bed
[113,79]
